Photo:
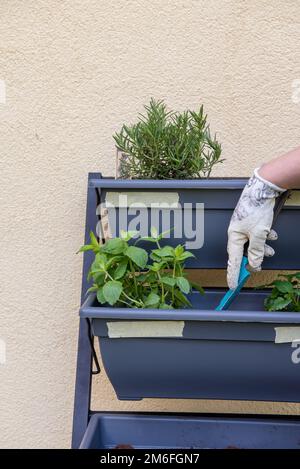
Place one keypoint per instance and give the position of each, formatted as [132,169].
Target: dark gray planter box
[219,198]
[161,431]
[220,355]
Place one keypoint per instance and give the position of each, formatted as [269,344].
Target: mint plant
[167,145]
[285,294]
[124,274]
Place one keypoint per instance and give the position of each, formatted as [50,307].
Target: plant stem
[125,303]
[132,299]
[173,275]
[126,296]
[162,288]
[134,277]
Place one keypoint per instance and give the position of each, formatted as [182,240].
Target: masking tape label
[145,199]
[118,329]
[285,335]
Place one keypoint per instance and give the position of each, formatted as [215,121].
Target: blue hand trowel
[244,272]
[231,294]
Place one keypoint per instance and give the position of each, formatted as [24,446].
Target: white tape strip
[145,199]
[118,329]
[286,335]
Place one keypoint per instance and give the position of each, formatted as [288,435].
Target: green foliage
[125,274]
[285,295]
[167,145]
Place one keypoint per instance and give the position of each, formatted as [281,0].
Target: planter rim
[210,183]
[208,315]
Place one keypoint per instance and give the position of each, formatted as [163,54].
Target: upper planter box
[245,353]
[207,202]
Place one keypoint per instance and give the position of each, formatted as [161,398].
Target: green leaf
[279,303]
[154,257]
[154,232]
[112,291]
[183,284]
[121,270]
[94,240]
[146,238]
[100,296]
[179,250]
[295,275]
[89,275]
[185,255]
[180,296]
[127,235]
[165,306]
[138,255]
[99,262]
[114,246]
[197,287]
[283,286]
[92,289]
[152,299]
[168,281]
[166,251]
[96,270]
[156,266]
[86,247]
[99,278]
[164,233]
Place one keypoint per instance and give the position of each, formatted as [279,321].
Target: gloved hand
[251,221]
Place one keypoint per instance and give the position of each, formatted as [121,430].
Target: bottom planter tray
[210,354]
[186,431]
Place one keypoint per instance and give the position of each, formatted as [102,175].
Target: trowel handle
[279,204]
[280,201]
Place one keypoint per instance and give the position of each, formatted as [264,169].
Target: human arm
[252,218]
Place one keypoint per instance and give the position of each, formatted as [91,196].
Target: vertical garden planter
[244,353]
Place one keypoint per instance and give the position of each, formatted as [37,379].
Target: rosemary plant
[167,145]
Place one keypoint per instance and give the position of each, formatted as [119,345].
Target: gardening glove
[251,221]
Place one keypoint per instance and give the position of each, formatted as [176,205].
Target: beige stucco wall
[74,71]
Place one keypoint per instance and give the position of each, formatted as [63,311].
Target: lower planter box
[245,354]
[162,431]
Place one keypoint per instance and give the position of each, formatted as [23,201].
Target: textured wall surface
[74,71]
